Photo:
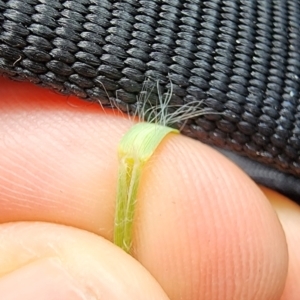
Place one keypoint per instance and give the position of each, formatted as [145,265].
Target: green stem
[135,149]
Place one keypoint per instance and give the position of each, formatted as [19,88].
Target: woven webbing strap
[241,57]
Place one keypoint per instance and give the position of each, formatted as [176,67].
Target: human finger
[202,228]
[48,261]
[289,215]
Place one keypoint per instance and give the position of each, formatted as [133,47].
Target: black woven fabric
[241,57]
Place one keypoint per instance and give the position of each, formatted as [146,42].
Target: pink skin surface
[203,229]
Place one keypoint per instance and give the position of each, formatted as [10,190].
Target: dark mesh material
[242,58]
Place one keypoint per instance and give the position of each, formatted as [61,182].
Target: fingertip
[210,228]
[289,216]
[203,228]
[48,261]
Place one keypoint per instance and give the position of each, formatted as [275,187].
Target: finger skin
[289,216]
[203,229]
[198,207]
[57,162]
[49,261]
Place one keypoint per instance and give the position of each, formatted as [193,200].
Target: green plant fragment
[135,149]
